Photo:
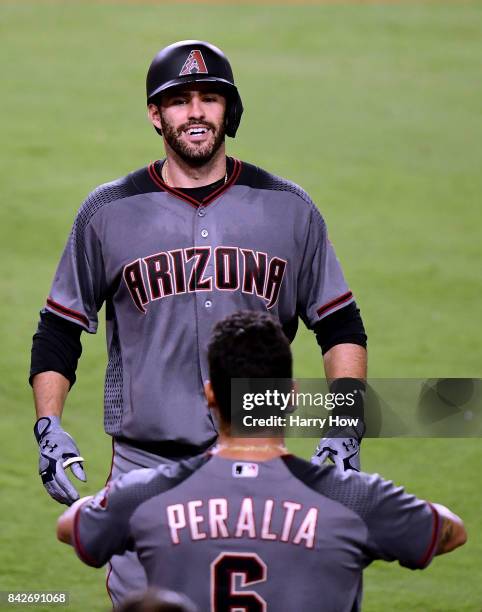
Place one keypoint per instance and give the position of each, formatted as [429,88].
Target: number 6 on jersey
[226,569]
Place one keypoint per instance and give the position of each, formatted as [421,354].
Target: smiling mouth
[196,131]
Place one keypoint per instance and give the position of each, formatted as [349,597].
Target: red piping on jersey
[433,541]
[67,311]
[83,554]
[205,201]
[231,180]
[336,302]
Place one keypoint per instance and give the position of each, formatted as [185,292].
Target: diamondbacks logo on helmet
[194,64]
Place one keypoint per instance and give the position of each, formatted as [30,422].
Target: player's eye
[176,100]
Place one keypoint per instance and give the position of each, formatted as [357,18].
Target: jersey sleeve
[322,288]
[102,525]
[79,286]
[400,526]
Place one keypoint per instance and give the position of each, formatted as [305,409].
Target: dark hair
[247,344]
[157,600]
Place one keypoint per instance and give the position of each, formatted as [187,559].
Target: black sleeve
[56,346]
[341,327]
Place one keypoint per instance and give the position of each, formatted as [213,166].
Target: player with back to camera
[157,600]
[170,250]
[248,525]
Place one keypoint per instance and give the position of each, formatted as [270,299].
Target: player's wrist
[347,432]
[45,424]
[351,413]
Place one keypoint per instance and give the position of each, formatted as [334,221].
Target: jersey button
[204,233]
[208,303]
[201,211]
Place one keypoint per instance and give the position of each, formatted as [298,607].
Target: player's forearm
[452,532]
[65,522]
[346,361]
[50,390]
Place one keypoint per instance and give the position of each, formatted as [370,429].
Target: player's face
[192,122]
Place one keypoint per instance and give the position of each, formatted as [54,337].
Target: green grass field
[374,109]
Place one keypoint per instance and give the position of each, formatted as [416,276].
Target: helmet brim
[192,78]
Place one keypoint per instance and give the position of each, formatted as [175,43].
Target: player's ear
[154,115]
[209,393]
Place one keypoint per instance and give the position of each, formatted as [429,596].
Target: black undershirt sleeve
[55,347]
[341,327]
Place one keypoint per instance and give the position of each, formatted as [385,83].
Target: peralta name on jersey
[198,520]
[186,270]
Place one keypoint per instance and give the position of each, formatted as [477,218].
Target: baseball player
[157,600]
[169,250]
[249,526]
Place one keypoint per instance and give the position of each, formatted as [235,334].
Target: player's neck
[178,173]
[250,449]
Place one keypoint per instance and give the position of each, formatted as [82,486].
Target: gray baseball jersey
[168,268]
[281,535]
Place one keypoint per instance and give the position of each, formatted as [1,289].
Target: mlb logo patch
[245,470]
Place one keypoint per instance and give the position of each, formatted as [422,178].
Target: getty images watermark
[381,408]
[289,403]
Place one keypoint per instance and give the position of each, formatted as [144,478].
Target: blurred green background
[375,110]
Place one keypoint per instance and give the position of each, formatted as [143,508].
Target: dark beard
[193,156]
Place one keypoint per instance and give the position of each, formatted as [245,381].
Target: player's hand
[344,452]
[57,452]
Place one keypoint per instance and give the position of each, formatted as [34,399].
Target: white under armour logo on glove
[344,452]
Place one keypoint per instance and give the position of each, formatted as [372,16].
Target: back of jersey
[254,536]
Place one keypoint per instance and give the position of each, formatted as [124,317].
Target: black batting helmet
[192,61]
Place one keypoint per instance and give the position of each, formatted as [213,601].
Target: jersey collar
[234,170]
